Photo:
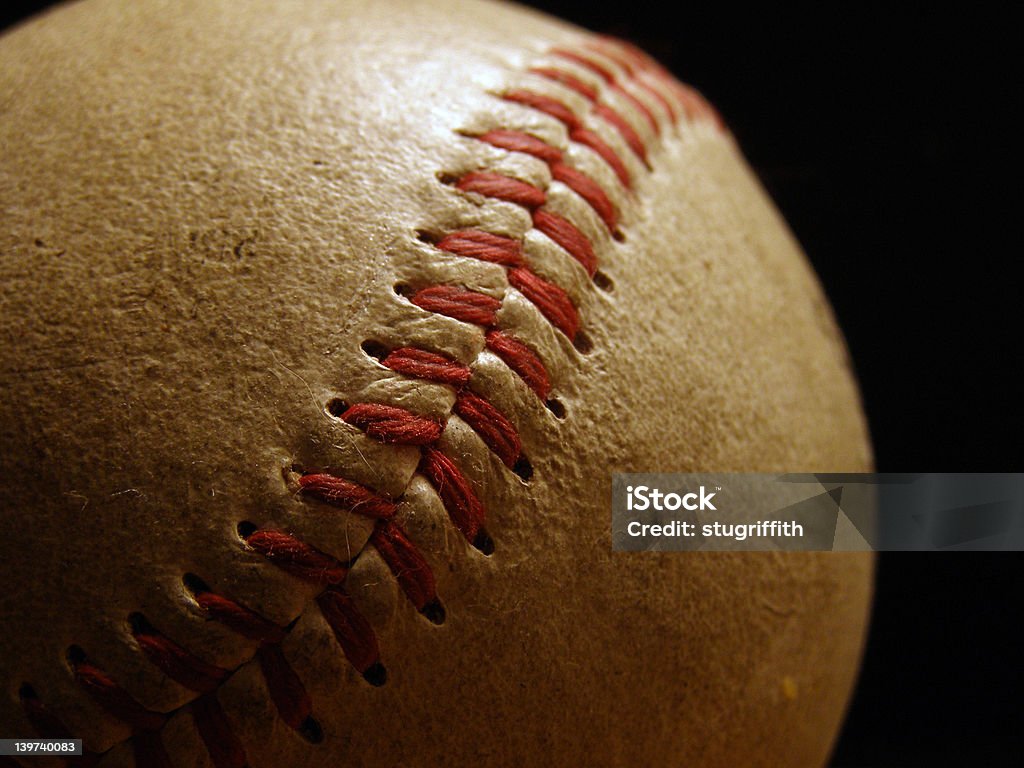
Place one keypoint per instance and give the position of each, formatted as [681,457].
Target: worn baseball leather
[206,209]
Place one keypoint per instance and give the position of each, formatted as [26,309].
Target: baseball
[324,327]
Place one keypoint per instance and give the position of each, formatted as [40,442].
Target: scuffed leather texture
[206,209]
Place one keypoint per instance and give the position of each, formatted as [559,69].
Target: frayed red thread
[484,246]
[607,49]
[577,133]
[640,59]
[586,62]
[297,558]
[589,190]
[521,359]
[612,81]
[346,494]
[464,508]
[238,618]
[182,666]
[588,138]
[115,699]
[545,104]
[392,425]
[518,141]
[629,135]
[286,689]
[579,182]
[215,730]
[492,426]
[565,234]
[406,563]
[353,632]
[640,107]
[458,303]
[567,79]
[502,188]
[659,97]
[635,71]
[552,301]
[428,365]
[693,103]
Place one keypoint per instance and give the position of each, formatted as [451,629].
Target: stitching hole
[523,468]
[374,349]
[336,407]
[556,407]
[311,730]
[376,675]
[583,343]
[76,655]
[484,543]
[602,281]
[434,611]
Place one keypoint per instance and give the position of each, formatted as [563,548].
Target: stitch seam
[390,424]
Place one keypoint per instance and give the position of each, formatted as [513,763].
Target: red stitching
[492,426]
[567,79]
[588,138]
[458,303]
[215,730]
[604,111]
[630,136]
[353,632]
[521,359]
[517,141]
[456,494]
[392,425]
[346,494]
[286,689]
[297,558]
[559,229]
[545,104]
[115,699]
[589,190]
[389,424]
[577,132]
[428,365]
[628,66]
[551,300]
[407,564]
[612,81]
[503,188]
[565,233]
[238,618]
[176,662]
[636,73]
[484,246]
[579,182]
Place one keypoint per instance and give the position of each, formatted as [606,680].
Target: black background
[883,136]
